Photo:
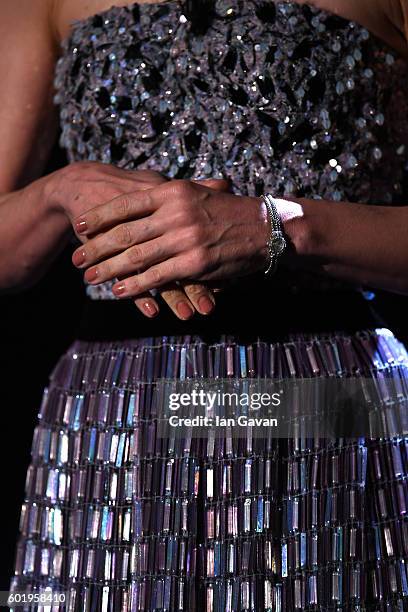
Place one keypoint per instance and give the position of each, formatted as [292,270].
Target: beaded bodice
[276,96]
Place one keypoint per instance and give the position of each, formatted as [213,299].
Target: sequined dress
[277,97]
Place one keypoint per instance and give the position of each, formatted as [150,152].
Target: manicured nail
[150,309]
[205,304]
[91,274]
[119,289]
[184,310]
[81,226]
[79,258]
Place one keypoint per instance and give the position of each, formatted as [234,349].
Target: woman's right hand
[82,186]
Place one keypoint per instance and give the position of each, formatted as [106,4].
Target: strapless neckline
[281,97]
[145,7]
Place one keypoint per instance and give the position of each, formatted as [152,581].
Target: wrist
[293,219]
[54,195]
[298,226]
[50,203]
[277,243]
[295,226]
[261,229]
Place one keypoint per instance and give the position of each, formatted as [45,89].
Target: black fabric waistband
[243,315]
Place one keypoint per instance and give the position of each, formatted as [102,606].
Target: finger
[147,305]
[155,277]
[178,302]
[115,240]
[137,257]
[127,206]
[216,184]
[200,296]
[130,206]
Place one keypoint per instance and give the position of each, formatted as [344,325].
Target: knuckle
[75,169]
[181,188]
[91,250]
[146,229]
[123,235]
[186,215]
[134,286]
[124,206]
[196,235]
[156,276]
[135,255]
[105,269]
[153,252]
[93,219]
[180,218]
[171,296]
[198,260]
[196,290]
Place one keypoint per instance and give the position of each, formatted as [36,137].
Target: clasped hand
[177,231]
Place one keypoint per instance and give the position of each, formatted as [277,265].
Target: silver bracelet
[277,242]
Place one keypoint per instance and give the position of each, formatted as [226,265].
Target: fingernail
[91,275]
[119,289]
[79,258]
[205,304]
[81,226]
[150,309]
[184,310]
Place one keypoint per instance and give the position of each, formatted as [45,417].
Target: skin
[94,181]
[121,217]
[36,214]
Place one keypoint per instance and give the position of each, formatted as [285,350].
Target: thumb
[217,184]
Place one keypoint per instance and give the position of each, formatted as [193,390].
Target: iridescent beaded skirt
[122,520]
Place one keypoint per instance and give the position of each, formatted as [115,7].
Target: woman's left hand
[177,231]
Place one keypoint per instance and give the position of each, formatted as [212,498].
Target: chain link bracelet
[277,242]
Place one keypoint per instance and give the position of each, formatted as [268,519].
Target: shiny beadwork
[268,97]
[117,515]
[282,98]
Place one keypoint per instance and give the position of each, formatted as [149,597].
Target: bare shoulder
[28,10]
[30,18]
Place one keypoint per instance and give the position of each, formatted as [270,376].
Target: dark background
[36,327]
